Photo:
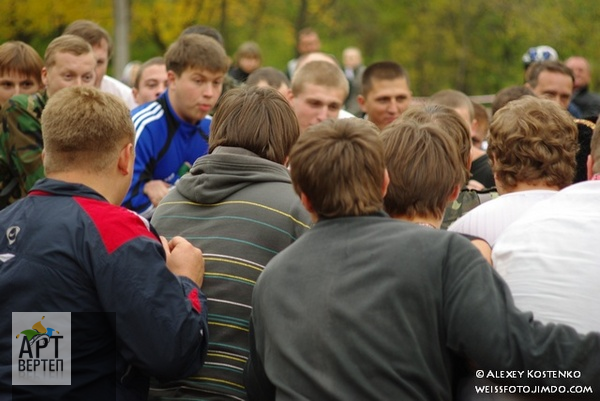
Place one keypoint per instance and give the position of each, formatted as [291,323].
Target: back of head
[316,56]
[146,64]
[197,52]
[508,95]
[533,141]
[538,53]
[205,30]
[339,165]
[535,69]
[453,99]
[382,71]
[65,44]
[320,73]
[424,167]
[272,76]
[19,57]
[256,119]
[90,31]
[450,122]
[83,130]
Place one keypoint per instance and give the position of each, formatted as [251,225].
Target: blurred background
[471,45]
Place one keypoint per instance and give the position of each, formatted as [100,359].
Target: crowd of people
[233,231]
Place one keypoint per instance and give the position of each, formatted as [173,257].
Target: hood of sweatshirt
[216,176]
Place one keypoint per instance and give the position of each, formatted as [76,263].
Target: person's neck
[96,181]
[523,186]
[426,221]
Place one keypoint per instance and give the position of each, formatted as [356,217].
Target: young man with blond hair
[319,89]
[134,299]
[69,61]
[548,256]
[172,132]
[532,146]
[102,46]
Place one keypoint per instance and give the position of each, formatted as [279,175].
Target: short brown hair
[19,57]
[83,128]
[146,64]
[509,94]
[272,76]
[382,70]
[90,32]
[321,73]
[339,165]
[424,167]
[196,51]
[453,99]
[534,70]
[450,122]
[65,44]
[256,119]
[533,141]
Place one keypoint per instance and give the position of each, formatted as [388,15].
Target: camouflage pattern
[20,146]
[467,199]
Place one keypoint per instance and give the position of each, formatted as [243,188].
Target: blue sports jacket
[165,148]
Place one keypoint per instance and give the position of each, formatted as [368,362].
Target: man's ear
[308,206]
[125,161]
[44,75]
[306,203]
[361,102]
[171,78]
[455,192]
[386,183]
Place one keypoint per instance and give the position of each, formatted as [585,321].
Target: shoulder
[584,124]
[24,103]
[148,116]
[119,89]
[115,225]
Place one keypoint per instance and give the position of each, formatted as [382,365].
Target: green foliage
[471,45]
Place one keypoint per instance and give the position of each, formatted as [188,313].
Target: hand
[475,185]
[184,259]
[155,190]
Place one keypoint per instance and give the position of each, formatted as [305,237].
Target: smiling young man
[69,61]
[172,132]
[385,92]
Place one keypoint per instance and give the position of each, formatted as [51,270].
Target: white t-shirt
[118,88]
[550,258]
[489,219]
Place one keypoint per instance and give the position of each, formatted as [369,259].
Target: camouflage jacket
[467,199]
[20,146]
